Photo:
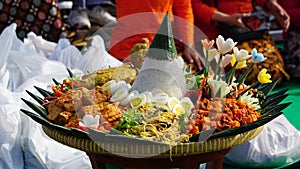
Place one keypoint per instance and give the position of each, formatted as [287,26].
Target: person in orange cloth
[138,19]
[208,12]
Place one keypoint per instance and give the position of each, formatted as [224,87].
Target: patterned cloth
[39,16]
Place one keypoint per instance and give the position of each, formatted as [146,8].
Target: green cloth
[292,113]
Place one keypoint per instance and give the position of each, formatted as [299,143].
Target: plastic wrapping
[66,53]
[10,132]
[96,57]
[276,146]
[23,142]
[20,62]
[41,46]
[39,150]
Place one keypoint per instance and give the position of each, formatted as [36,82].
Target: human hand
[236,19]
[190,55]
[280,14]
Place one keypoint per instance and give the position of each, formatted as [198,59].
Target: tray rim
[136,148]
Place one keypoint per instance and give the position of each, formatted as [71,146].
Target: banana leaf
[56,82]
[44,92]
[38,109]
[276,108]
[66,131]
[267,88]
[36,98]
[70,73]
[163,45]
[80,133]
[37,118]
[271,101]
[276,94]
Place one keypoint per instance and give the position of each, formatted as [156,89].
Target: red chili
[83,128]
[56,92]
[68,84]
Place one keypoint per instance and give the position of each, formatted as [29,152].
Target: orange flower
[207,45]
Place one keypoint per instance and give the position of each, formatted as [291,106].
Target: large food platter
[231,121]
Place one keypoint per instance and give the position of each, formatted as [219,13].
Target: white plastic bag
[20,62]
[66,53]
[11,156]
[40,151]
[276,146]
[96,57]
[6,39]
[40,45]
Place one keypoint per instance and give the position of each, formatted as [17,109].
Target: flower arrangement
[232,102]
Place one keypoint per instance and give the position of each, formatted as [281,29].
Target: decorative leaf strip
[56,82]
[44,92]
[70,73]
[267,88]
[280,93]
[36,98]
[273,101]
[38,109]
[37,118]
[276,108]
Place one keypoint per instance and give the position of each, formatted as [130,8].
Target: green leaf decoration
[56,82]
[80,133]
[70,73]
[66,131]
[276,108]
[44,92]
[274,100]
[280,93]
[38,109]
[163,45]
[36,98]
[37,118]
[267,88]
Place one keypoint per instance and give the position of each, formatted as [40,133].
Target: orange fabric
[137,19]
[204,9]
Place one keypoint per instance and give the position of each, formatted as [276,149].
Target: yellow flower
[240,65]
[207,45]
[264,77]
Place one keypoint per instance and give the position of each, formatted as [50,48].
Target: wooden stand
[214,160]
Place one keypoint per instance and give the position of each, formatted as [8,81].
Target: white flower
[219,86]
[250,101]
[225,46]
[212,53]
[240,55]
[226,60]
[90,121]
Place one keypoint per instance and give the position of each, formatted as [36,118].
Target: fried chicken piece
[64,117]
[138,53]
[54,110]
